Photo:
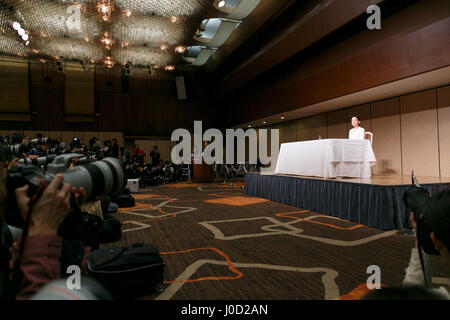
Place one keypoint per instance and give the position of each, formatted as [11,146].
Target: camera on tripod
[417,199]
[98,178]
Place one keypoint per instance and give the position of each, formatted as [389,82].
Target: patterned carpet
[219,243]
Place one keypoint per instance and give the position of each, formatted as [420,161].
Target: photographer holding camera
[433,234]
[42,247]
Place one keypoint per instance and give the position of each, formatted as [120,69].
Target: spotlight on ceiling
[16,26]
[170,68]
[60,64]
[127,70]
[109,63]
[25,37]
[21,31]
[282,118]
[151,70]
[221,4]
[180,49]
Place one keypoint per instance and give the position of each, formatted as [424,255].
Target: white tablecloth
[327,158]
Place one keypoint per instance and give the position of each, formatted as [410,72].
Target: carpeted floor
[219,243]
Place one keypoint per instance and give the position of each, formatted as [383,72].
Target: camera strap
[17,273]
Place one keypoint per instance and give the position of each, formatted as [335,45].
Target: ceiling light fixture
[221,4]
[21,32]
[16,26]
[25,37]
[173,19]
[105,9]
[163,47]
[282,118]
[107,41]
[180,49]
[170,68]
[109,62]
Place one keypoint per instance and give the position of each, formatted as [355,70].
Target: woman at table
[357,132]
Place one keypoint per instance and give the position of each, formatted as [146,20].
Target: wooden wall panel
[337,124]
[387,140]
[420,133]
[443,101]
[412,41]
[290,131]
[304,129]
[319,127]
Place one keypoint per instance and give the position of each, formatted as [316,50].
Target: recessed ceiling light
[21,32]
[221,4]
[16,26]
[282,118]
[249,125]
[25,37]
[163,47]
[264,122]
[180,49]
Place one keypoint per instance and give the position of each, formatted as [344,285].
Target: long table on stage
[376,202]
[328,158]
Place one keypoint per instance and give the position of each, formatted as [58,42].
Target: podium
[202,173]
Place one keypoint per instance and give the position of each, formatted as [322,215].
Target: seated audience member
[357,132]
[115,149]
[438,217]
[155,155]
[107,151]
[139,154]
[169,172]
[41,259]
[126,157]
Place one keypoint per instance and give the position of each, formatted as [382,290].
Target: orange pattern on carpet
[148,195]
[237,201]
[231,266]
[180,185]
[233,186]
[358,293]
[284,215]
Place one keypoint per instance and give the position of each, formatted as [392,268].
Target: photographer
[42,251]
[438,217]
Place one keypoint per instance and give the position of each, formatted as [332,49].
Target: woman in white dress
[357,132]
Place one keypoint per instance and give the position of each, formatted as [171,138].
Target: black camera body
[416,198]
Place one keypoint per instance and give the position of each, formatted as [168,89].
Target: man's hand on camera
[13,163]
[79,195]
[50,210]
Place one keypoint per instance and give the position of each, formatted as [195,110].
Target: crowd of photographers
[48,227]
[52,235]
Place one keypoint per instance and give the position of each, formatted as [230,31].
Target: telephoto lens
[105,177]
[38,161]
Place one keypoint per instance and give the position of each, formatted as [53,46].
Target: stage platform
[376,202]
